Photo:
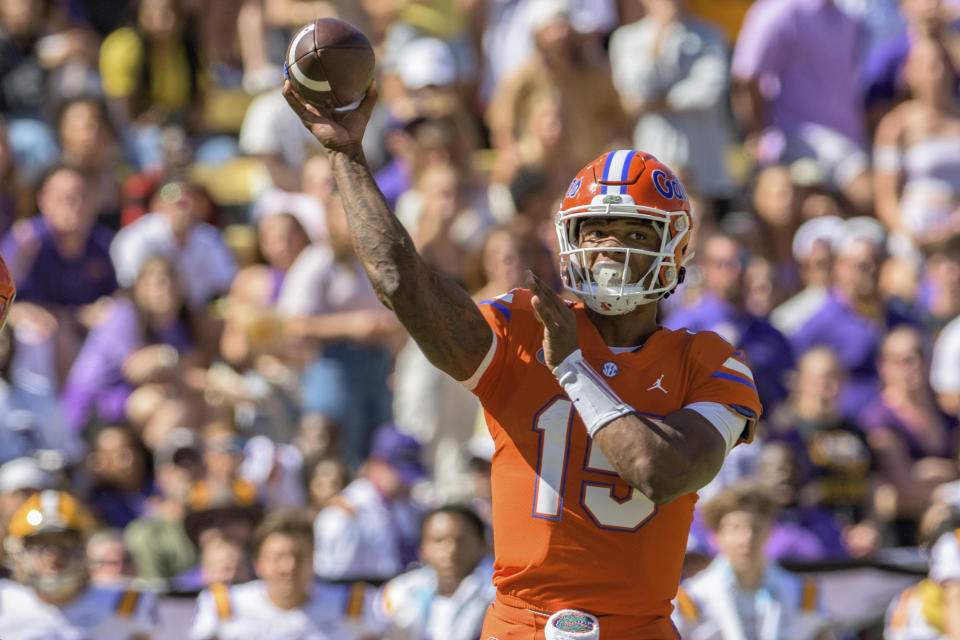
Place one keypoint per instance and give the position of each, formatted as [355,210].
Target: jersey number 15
[553,423]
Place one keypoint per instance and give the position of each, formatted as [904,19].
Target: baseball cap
[543,12]
[825,228]
[24,473]
[426,62]
[399,451]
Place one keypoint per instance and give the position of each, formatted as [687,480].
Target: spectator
[720,308]
[837,463]
[911,615]
[122,476]
[284,599]
[450,594]
[89,143]
[52,596]
[917,168]
[223,560]
[176,229]
[813,254]
[325,479]
[159,43]
[141,348]
[20,478]
[940,297]
[913,441]
[15,197]
[589,101]
[317,437]
[370,529]
[157,540]
[222,483]
[60,262]
[329,302]
[802,530]
[672,73]
[740,594]
[788,53]
[854,318]
[109,560]
[30,417]
[884,65]
[776,201]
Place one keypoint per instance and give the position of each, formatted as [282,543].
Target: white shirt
[945,558]
[252,616]
[93,615]
[718,609]
[205,263]
[360,535]
[690,71]
[411,609]
[270,127]
[316,284]
[945,367]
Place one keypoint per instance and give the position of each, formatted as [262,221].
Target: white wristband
[596,402]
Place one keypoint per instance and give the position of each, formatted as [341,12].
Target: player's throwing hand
[336,130]
[558,320]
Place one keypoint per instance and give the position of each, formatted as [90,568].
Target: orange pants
[506,622]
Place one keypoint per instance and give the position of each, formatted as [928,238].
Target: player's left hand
[558,321]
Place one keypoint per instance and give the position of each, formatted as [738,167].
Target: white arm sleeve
[729,423]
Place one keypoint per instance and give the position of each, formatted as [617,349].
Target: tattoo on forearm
[435,310]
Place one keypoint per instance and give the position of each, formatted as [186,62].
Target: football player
[605,423]
[51,597]
[7,292]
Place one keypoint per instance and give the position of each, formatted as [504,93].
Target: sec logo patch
[610,369]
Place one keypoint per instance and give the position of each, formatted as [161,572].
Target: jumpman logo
[658,385]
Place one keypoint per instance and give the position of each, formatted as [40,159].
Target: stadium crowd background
[193,343]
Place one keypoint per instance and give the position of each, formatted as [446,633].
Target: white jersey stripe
[739,367]
[616,171]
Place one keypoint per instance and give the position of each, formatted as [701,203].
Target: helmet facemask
[610,288]
[54,584]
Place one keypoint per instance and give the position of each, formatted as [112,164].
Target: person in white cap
[813,251]
[20,478]
[51,597]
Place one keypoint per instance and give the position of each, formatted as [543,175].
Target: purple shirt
[805,534]
[882,68]
[96,381]
[856,341]
[56,280]
[804,54]
[767,351]
[878,415]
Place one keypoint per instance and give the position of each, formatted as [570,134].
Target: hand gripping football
[330,64]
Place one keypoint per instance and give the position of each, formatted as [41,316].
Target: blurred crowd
[196,358]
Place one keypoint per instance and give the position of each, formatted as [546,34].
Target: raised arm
[435,310]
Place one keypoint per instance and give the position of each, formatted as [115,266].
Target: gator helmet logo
[573,622]
[574,187]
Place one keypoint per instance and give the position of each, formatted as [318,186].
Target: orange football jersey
[568,532]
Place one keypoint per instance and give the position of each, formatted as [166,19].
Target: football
[330,64]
